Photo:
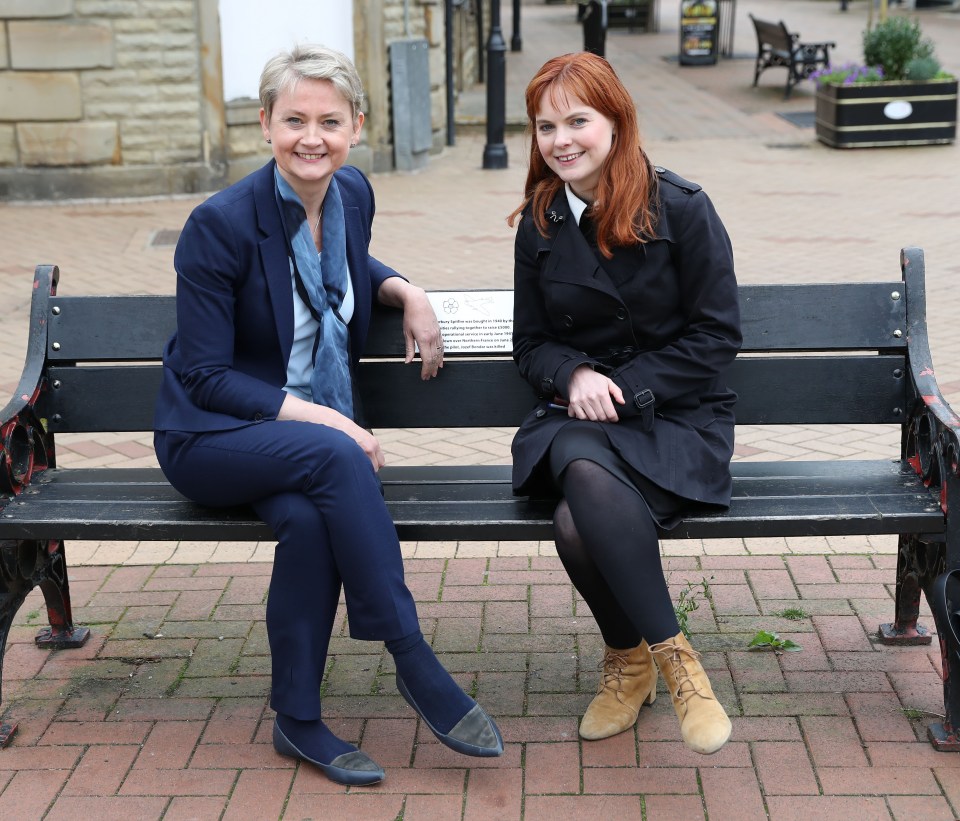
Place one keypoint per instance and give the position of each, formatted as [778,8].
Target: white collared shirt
[577,205]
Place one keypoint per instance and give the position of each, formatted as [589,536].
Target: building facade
[120,98]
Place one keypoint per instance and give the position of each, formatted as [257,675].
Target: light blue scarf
[326,285]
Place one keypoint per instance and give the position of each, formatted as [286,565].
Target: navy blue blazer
[226,365]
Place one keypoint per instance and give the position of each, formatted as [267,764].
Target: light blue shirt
[300,364]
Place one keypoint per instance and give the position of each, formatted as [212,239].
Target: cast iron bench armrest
[24,445]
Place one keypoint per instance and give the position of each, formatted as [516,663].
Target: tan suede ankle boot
[628,680]
[703,723]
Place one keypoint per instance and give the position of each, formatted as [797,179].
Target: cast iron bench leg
[62,634]
[23,566]
[910,572]
[13,590]
[944,735]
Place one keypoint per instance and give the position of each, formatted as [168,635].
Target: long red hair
[623,211]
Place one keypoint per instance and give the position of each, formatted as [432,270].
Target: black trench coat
[666,336]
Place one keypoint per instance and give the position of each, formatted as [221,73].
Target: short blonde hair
[314,62]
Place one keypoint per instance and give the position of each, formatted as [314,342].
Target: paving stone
[552,768]
[101,770]
[108,808]
[731,794]
[646,781]
[824,808]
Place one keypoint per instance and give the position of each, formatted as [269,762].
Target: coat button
[621,313]
[567,321]
[258,417]
[546,386]
[541,413]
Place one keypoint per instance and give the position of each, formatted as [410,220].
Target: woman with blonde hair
[275,288]
[626,319]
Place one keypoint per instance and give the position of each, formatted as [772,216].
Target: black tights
[607,541]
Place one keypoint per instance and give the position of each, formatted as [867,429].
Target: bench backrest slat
[776,35]
[857,389]
[814,354]
[821,317]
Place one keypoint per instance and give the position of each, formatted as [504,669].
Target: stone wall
[115,98]
[104,98]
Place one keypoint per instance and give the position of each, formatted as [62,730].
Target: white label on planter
[897,110]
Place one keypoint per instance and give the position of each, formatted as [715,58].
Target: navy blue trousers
[317,490]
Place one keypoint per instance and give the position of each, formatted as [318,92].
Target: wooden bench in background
[776,46]
[813,354]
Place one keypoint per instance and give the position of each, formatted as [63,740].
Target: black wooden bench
[776,46]
[814,354]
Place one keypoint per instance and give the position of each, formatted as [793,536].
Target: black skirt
[583,439]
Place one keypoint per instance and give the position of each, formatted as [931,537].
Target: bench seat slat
[770,499]
[412,483]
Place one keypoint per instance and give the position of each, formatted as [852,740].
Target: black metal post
[595,27]
[495,152]
[516,41]
[448,70]
[478,7]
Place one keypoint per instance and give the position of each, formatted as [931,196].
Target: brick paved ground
[163,714]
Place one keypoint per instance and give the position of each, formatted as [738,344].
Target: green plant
[687,603]
[763,640]
[894,49]
[921,69]
[847,74]
[893,43]
[793,614]
[915,713]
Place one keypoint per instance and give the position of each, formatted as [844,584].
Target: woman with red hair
[626,319]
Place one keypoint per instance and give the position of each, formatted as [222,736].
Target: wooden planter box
[887,114]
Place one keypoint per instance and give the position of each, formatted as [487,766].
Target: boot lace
[611,669]
[678,658]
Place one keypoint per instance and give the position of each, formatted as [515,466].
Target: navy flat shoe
[355,768]
[475,734]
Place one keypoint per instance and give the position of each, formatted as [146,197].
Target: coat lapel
[359,278]
[274,257]
[571,260]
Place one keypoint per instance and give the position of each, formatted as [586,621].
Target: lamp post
[448,70]
[516,41]
[495,152]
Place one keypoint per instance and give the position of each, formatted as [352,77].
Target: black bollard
[516,41]
[595,27]
[495,151]
[448,72]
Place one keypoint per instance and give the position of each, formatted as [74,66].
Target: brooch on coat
[553,216]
